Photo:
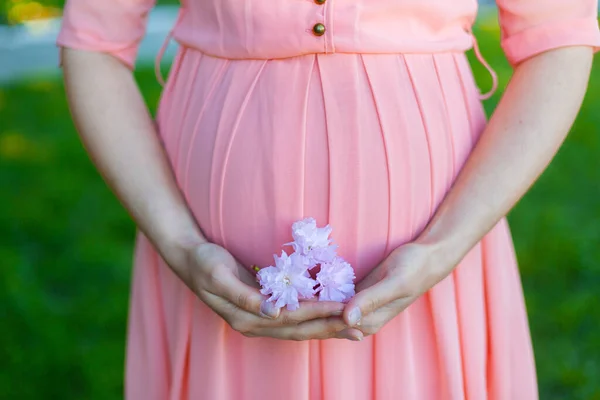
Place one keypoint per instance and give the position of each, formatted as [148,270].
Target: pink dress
[359,113]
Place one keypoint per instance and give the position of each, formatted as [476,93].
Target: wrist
[175,243]
[445,251]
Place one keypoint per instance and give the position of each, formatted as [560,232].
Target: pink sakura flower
[336,280]
[287,281]
[313,243]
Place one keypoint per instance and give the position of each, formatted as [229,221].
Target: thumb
[248,298]
[369,300]
[246,276]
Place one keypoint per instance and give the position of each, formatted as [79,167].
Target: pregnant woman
[362,114]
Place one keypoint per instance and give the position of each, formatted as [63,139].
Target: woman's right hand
[231,291]
[123,143]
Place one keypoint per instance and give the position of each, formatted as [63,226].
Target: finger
[247,276]
[325,328]
[377,275]
[309,311]
[253,326]
[369,300]
[351,334]
[228,286]
[311,300]
[239,320]
[371,324]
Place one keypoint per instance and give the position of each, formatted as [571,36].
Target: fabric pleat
[166,95]
[180,373]
[232,132]
[173,144]
[471,319]
[194,131]
[213,71]
[148,354]
[474,108]
[370,144]
[446,98]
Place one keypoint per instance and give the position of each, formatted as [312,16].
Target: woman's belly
[367,143]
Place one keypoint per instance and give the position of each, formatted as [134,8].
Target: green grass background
[65,250]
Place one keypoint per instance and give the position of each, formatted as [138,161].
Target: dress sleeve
[115,27]
[530,27]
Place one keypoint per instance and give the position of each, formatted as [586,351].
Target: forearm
[524,133]
[120,136]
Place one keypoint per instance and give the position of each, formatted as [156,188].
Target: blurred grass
[18,11]
[66,249]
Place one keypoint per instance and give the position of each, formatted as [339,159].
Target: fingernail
[337,313]
[354,337]
[354,316]
[345,334]
[269,310]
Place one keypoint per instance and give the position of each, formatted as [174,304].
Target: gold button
[319,29]
[320,1]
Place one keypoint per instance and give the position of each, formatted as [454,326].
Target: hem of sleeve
[125,54]
[573,32]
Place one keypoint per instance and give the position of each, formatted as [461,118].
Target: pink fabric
[534,26]
[109,26]
[262,29]
[369,143]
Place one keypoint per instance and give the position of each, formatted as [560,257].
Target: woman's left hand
[407,273]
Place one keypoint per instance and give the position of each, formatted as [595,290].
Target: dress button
[320,1]
[319,29]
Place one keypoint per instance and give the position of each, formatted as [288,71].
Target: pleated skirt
[369,144]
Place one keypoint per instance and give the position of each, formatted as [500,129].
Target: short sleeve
[530,27]
[108,26]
